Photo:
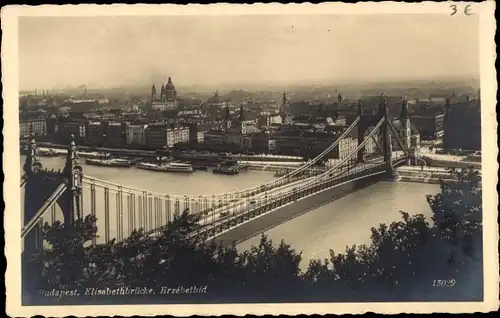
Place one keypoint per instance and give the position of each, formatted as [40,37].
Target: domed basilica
[168,96]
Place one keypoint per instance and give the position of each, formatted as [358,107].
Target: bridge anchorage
[377,148]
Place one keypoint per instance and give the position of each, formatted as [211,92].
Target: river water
[346,221]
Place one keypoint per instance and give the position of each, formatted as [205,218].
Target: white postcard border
[11,157]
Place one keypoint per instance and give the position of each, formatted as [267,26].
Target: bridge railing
[327,176]
[316,183]
[246,212]
[328,173]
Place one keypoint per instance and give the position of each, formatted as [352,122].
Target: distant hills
[333,86]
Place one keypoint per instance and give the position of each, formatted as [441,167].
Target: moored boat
[170,167]
[47,152]
[94,155]
[151,166]
[197,167]
[118,163]
[179,167]
[200,168]
[225,168]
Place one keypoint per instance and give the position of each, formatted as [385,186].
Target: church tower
[283,108]
[153,93]
[337,106]
[242,120]
[405,121]
[162,92]
[242,112]
[226,118]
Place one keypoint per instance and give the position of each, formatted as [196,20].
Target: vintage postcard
[250,159]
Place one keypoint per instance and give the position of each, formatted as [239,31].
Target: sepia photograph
[261,154]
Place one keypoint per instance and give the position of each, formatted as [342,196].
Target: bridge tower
[361,132]
[43,185]
[406,130]
[368,120]
[387,140]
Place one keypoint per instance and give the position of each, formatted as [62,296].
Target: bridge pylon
[406,130]
[391,172]
[62,187]
[371,120]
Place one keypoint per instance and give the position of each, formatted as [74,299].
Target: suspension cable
[400,143]
[38,215]
[326,173]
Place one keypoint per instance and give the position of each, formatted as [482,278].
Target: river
[346,221]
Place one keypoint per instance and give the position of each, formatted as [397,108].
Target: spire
[404,110]
[72,157]
[381,101]
[360,108]
[32,163]
[153,91]
[169,80]
[216,92]
[227,111]
[242,113]
[284,100]
[382,109]
[337,106]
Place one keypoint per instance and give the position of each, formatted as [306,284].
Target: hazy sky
[111,51]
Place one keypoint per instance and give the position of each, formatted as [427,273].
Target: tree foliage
[399,254]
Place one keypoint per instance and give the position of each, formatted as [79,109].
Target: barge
[226,168]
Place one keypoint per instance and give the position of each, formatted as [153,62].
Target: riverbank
[430,175]
[210,157]
[447,163]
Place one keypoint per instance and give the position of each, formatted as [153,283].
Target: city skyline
[212,50]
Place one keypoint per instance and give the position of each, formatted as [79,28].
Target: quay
[200,158]
[426,174]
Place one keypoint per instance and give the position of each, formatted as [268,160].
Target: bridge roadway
[248,221]
[241,207]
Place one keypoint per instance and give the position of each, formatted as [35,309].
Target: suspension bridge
[121,209]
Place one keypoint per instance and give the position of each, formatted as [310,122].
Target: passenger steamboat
[179,167]
[117,163]
[47,152]
[169,167]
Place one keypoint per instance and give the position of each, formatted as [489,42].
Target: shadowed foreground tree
[458,213]
[399,255]
[410,250]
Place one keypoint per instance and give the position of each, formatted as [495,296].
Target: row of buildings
[113,134]
[458,124]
